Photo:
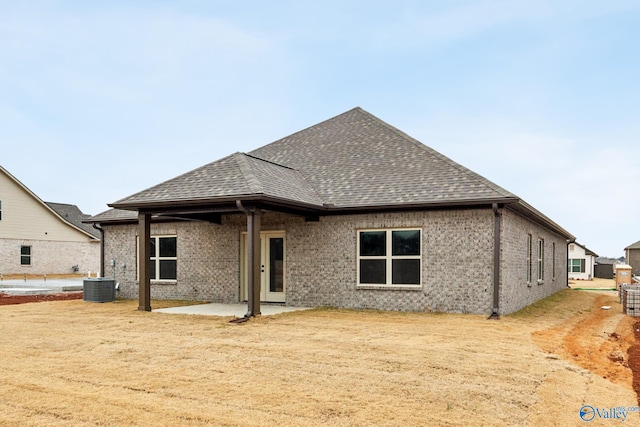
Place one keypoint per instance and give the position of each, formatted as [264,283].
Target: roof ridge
[297,171]
[488,183]
[307,128]
[254,184]
[268,161]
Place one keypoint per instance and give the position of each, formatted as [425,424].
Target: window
[576,265]
[164,258]
[25,255]
[540,260]
[529,257]
[0,210]
[389,257]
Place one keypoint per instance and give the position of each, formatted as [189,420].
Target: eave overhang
[210,209]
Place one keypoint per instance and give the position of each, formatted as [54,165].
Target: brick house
[350,212]
[38,237]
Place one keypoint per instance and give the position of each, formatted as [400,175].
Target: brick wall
[49,257]
[457,268]
[516,292]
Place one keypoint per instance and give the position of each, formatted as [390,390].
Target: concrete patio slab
[25,291]
[216,309]
[40,286]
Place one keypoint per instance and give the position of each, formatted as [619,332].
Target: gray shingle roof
[234,176]
[356,159]
[73,215]
[352,160]
[635,245]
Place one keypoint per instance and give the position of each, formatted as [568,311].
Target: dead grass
[77,363]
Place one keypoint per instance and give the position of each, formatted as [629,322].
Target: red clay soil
[634,360]
[22,299]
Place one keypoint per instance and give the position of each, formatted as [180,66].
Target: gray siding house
[348,213]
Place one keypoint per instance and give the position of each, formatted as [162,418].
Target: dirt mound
[6,299]
[634,359]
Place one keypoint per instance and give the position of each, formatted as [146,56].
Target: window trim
[553,265]
[154,257]
[582,268]
[540,260]
[529,258]
[29,256]
[389,257]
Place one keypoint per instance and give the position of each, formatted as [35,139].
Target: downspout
[567,260]
[101,230]
[496,261]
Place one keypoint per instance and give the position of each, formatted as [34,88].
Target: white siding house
[581,262]
[42,238]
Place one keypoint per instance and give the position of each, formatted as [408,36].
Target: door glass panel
[276,264]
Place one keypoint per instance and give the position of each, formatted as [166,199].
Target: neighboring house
[632,255]
[42,238]
[604,267]
[351,213]
[582,262]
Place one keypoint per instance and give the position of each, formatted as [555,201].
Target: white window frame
[581,266]
[156,257]
[540,260]
[553,265]
[529,258]
[389,257]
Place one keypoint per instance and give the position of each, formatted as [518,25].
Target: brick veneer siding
[457,269]
[49,257]
[516,292]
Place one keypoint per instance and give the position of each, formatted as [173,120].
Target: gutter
[569,241]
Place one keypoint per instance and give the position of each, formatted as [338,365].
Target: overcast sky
[101,99]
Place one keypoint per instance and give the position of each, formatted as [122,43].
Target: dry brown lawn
[84,364]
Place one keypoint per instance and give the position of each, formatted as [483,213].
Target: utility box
[99,289]
[623,275]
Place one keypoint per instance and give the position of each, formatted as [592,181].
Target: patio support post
[144,253]
[253,262]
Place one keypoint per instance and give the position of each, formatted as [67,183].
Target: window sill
[540,282]
[390,287]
